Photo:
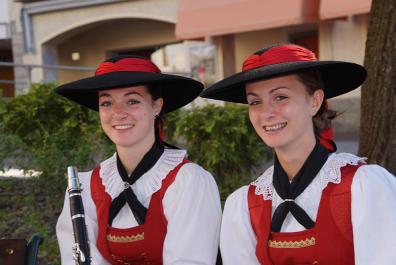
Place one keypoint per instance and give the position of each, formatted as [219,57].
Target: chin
[125,145]
[123,142]
[272,145]
[275,144]
[271,141]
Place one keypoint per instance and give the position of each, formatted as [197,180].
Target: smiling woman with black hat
[313,206]
[146,204]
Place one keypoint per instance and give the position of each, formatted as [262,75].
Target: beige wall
[94,44]
[244,45]
[249,42]
[56,27]
[345,40]
[52,24]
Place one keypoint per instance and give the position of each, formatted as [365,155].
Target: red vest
[330,242]
[138,245]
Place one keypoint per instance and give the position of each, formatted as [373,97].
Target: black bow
[289,191]
[128,196]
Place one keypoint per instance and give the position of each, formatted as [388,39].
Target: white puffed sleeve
[193,211]
[64,228]
[237,239]
[374,216]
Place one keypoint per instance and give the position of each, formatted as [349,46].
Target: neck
[131,156]
[295,156]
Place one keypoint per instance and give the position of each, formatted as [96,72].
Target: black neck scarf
[289,191]
[128,196]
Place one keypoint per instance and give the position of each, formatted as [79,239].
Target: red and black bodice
[142,244]
[328,240]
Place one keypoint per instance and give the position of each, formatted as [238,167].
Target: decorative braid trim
[330,173]
[125,239]
[292,244]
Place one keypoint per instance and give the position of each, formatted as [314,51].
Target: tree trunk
[378,101]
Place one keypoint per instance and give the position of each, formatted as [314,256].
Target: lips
[123,126]
[275,127]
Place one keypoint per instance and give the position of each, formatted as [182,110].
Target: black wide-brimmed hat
[338,77]
[125,71]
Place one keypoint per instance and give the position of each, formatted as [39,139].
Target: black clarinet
[81,253]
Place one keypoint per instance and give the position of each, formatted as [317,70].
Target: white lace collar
[151,180]
[330,172]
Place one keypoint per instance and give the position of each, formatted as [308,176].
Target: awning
[341,8]
[201,18]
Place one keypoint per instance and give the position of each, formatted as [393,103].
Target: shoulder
[373,169]
[238,198]
[236,203]
[339,160]
[331,172]
[365,172]
[193,185]
[193,169]
[190,178]
[192,173]
[374,176]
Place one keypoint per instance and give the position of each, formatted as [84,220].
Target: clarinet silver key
[81,251]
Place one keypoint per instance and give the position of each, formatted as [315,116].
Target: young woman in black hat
[146,204]
[313,206]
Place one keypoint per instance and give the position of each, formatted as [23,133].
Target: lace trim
[151,180]
[264,184]
[330,173]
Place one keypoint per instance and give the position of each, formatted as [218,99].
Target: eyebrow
[125,95]
[277,88]
[251,94]
[271,91]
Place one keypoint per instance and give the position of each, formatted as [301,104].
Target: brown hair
[155,93]
[313,81]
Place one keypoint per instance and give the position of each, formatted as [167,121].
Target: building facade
[6,73]
[62,40]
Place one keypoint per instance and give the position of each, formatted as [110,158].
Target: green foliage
[43,131]
[47,133]
[222,140]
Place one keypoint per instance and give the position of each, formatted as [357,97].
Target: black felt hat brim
[176,91]
[338,78]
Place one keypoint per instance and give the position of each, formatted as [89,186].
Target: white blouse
[191,206]
[373,212]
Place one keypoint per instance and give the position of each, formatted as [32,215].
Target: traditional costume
[336,210]
[168,210]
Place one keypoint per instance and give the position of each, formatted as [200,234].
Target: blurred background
[63,40]
[45,43]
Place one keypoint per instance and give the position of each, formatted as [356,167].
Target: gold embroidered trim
[125,239]
[292,244]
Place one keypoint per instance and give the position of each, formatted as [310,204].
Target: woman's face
[127,115]
[281,111]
